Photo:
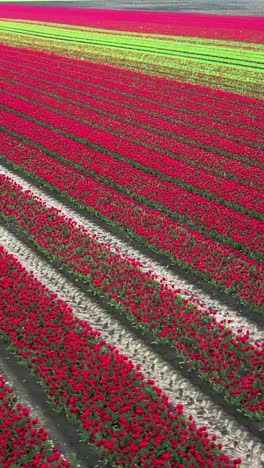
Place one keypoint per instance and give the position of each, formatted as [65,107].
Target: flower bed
[170,136]
[182,97]
[237,28]
[181,107]
[224,266]
[23,442]
[150,123]
[128,418]
[215,64]
[228,360]
[230,192]
[211,216]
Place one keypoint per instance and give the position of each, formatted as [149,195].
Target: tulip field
[132,237]
[21,433]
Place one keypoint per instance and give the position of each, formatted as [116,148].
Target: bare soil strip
[61,432]
[237,441]
[188,289]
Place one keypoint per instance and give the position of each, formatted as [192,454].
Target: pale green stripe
[127,51]
[186,39]
[170,47]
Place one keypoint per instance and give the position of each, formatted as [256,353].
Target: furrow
[192,118]
[130,85]
[236,441]
[30,395]
[186,288]
[230,193]
[233,168]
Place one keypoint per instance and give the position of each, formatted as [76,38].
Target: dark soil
[63,433]
[166,352]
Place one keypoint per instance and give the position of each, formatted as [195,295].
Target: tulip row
[162,37]
[177,95]
[236,28]
[92,108]
[183,106]
[148,84]
[228,360]
[247,83]
[127,418]
[23,443]
[221,222]
[242,79]
[223,266]
[163,134]
[230,192]
[196,51]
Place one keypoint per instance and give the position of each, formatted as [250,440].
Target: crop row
[180,107]
[129,419]
[230,192]
[236,28]
[221,265]
[204,51]
[170,94]
[242,81]
[196,51]
[166,135]
[84,108]
[23,442]
[97,87]
[205,158]
[228,360]
[219,221]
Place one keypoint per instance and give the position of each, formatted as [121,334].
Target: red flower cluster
[189,102]
[181,124]
[23,442]
[229,360]
[222,264]
[222,222]
[236,194]
[129,419]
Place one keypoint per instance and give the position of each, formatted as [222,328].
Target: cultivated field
[132,240]
[223,7]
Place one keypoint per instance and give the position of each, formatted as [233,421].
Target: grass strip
[246,82]
[205,51]
[167,37]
